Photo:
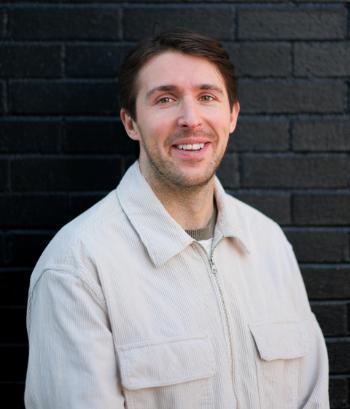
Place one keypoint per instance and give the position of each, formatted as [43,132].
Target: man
[169,293]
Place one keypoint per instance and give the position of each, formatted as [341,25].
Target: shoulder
[74,247]
[254,225]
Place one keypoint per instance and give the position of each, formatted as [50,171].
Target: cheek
[163,118]
[156,121]
[221,122]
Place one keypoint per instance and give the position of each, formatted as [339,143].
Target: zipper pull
[214,270]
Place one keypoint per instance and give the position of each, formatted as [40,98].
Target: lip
[190,155]
[190,141]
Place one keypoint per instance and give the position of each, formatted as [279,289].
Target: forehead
[175,68]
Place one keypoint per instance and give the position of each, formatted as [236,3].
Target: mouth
[190,147]
[191,151]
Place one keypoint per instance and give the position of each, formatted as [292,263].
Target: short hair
[183,41]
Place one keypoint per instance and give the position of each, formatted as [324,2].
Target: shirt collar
[162,236]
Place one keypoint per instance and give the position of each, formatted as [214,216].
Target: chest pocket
[281,347]
[175,373]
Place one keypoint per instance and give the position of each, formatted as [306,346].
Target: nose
[189,114]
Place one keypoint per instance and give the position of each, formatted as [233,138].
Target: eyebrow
[172,88]
[211,87]
[161,88]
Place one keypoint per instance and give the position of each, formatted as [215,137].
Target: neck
[191,207]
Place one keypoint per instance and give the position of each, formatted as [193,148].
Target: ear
[130,125]
[234,116]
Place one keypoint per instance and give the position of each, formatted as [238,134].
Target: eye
[165,100]
[207,98]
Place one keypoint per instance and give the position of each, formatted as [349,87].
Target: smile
[191,147]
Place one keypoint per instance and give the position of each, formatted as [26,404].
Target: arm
[72,363]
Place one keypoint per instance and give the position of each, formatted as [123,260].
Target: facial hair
[166,173]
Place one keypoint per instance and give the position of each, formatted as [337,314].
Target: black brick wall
[62,146]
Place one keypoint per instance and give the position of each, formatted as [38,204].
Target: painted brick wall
[62,146]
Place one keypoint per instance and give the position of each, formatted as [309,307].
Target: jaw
[175,168]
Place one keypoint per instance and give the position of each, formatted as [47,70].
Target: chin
[193,181]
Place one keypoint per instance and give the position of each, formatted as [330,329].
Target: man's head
[178,98]
[182,41]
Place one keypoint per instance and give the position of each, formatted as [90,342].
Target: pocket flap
[280,340]
[169,362]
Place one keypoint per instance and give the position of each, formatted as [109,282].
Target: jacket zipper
[214,271]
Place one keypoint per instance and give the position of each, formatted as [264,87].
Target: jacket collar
[162,236]
[229,220]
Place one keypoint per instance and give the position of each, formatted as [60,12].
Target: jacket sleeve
[313,379]
[313,382]
[72,362]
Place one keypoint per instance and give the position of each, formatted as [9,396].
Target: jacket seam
[101,301]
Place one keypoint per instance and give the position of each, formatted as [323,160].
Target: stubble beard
[167,174]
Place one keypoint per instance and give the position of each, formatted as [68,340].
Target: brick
[30,61]
[2,23]
[3,174]
[13,363]
[322,59]
[321,135]
[61,174]
[14,284]
[33,211]
[2,98]
[64,23]
[139,22]
[295,171]
[318,246]
[93,61]
[78,203]
[319,1]
[168,1]
[339,356]
[90,136]
[332,317]
[261,59]
[339,392]
[327,282]
[165,1]
[74,1]
[2,248]
[292,23]
[63,97]
[259,134]
[322,209]
[30,136]
[23,249]
[274,205]
[228,171]
[127,161]
[297,96]
[13,325]
[14,393]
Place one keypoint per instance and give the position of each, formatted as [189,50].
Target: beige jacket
[126,310]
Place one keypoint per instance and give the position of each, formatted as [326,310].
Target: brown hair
[184,41]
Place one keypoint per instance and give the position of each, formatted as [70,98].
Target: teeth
[193,147]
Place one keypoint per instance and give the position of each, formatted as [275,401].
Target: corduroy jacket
[126,310]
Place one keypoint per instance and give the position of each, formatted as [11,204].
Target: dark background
[62,147]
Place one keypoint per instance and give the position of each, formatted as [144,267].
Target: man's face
[183,120]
